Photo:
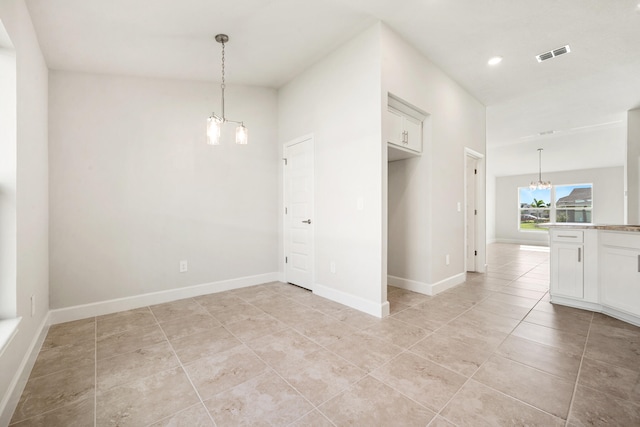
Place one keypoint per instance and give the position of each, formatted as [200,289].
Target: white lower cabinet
[567,263]
[620,275]
[567,272]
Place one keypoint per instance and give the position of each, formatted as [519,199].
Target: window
[535,208]
[571,203]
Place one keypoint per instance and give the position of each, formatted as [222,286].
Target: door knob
[307,221]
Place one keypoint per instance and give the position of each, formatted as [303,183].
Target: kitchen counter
[589,226]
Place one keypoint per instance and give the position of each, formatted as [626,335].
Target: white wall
[608,200]
[338,101]
[424,224]
[135,189]
[31,194]
[633,166]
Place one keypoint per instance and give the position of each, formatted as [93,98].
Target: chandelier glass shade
[540,185]
[215,122]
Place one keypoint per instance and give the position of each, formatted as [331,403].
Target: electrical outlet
[33,305]
[184,266]
[447,259]
[332,266]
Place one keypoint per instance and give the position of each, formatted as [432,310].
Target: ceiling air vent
[553,53]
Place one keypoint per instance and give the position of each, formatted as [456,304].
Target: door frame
[285,231]
[479,192]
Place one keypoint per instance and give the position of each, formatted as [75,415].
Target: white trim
[19,381]
[136,301]
[426,288]
[8,330]
[358,303]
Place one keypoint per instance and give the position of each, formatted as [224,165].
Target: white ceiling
[273,40]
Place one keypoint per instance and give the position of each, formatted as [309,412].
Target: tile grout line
[184,371]
[575,387]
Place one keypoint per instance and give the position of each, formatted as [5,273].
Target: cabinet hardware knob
[307,221]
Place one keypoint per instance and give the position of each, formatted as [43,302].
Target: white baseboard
[84,311]
[426,288]
[16,387]
[361,304]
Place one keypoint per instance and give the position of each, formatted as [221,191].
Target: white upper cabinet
[404,128]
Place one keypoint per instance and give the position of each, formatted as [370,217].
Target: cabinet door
[395,129]
[567,274]
[620,278]
[413,133]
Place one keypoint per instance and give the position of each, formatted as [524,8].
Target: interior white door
[471,212]
[298,213]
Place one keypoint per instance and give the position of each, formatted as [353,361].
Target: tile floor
[492,351]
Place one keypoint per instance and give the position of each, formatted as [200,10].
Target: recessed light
[495,60]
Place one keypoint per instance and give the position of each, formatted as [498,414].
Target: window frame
[553,208]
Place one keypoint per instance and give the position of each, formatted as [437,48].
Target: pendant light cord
[222,85]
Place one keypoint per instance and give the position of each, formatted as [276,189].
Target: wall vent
[553,53]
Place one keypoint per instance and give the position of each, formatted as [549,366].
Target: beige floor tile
[255,327]
[553,360]
[195,416]
[593,408]
[616,346]
[356,319]
[319,303]
[324,330]
[293,313]
[43,394]
[189,325]
[365,350]
[236,313]
[604,320]
[397,332]
[372,403]
[451,353]
[618,382]
[79,414]
[321,375]
[480,319]
[548,307]
[289,290]
[254,293]
[265,400]
[121,369]
[124,321]
[128,340]
[503,309]
[478,405]
[282,348]
[219,301]
[313,419]
[551,337]
[70,333]
[145,401]
[520,301]
[397,307]
[559,320]
[525,284]
[440,422]
[480,338]
[428,319]
[525,293]
[61,357]
[409,298]
[425,382]
[524,383]
[222,371]
[203,344]
[176,309]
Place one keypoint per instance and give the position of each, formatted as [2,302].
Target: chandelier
[215,122]
[540,185]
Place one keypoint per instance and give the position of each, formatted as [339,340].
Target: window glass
[535,208]
[573,203]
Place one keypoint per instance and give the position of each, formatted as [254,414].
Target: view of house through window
[562,203]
